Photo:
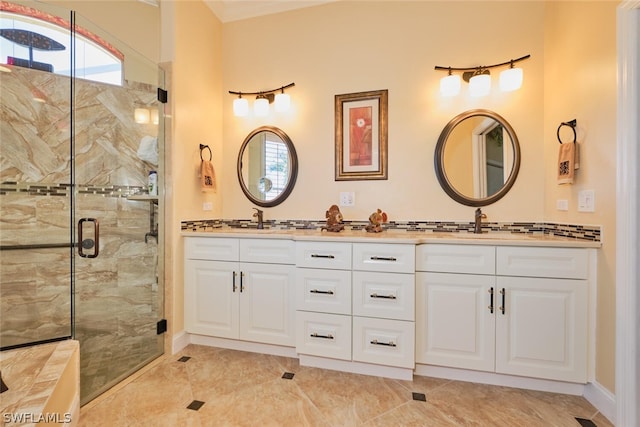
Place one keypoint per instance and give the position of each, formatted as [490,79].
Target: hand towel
[566,163]
[207,176]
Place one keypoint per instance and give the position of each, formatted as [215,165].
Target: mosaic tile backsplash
[584,232]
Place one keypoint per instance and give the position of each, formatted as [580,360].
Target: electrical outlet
[207,206]
[347,198]
[562,205]
[586,201]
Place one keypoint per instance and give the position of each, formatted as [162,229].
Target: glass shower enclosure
[80,252]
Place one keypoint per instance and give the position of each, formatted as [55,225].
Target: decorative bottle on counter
[153,183]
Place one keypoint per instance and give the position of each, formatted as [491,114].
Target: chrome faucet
[258,213]
[477,229]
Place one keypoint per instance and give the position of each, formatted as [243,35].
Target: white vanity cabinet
[240,289]
[383,284]
[514,310]
[355,302]
[323,299]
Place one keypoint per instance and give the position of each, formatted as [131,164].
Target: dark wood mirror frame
[293,167]
[439,159]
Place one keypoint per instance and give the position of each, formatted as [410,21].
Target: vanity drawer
[215,248]
[327,291]
[471,259]
[384,342]
[324,335]
[270,251]
[323,255]
[563,263]
[385,295]
[392,258]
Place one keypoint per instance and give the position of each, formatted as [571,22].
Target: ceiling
[234,10]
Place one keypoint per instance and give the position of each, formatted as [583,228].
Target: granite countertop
[392,236]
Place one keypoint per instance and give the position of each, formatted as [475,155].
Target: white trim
[602,399]
[179,342]
[253,347]
[492,378]
[627,233]
[405,374]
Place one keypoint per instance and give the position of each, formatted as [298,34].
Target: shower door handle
[88,244]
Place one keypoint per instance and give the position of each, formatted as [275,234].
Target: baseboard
[180,341]
[274,350]
[500,379]
[356,367]
[602,399]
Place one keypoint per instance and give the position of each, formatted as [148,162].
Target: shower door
[81,255]
[117,141]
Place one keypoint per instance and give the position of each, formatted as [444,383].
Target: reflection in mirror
[267,166]
[477,158]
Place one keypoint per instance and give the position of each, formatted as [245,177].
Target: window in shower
[33,39]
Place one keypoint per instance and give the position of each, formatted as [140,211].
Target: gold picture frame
[361,136]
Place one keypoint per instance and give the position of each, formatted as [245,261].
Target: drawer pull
[383,258]
[316,291]
[386,344]
[383,296]
[322,256]
[326,337]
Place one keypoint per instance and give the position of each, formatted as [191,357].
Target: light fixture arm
[264,93]
[483,67]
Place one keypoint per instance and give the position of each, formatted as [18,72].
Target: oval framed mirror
[267,166]
[477,158]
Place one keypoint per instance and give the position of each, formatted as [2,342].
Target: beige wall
[580,83]
[347,47]
[196,99]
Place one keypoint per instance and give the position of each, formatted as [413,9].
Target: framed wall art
[361,135]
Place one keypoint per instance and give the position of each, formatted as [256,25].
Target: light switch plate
[586,201]
[207,206]
[562,205]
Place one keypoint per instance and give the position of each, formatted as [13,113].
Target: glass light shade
[240,107]
[450,85]
[282,102]
[511,79]
[141,115]
[261,107]
[480,85]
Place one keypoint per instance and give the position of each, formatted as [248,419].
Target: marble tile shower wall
[35,206]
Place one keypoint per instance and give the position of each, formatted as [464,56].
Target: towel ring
[572,124]
[202,147]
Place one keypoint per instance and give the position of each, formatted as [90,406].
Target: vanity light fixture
[263,99]
[479,78]
[240,106]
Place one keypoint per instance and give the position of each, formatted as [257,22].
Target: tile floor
[205,386]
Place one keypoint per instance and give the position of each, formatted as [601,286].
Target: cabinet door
[455,325]
[211,298]
[543,331]
[267,308]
